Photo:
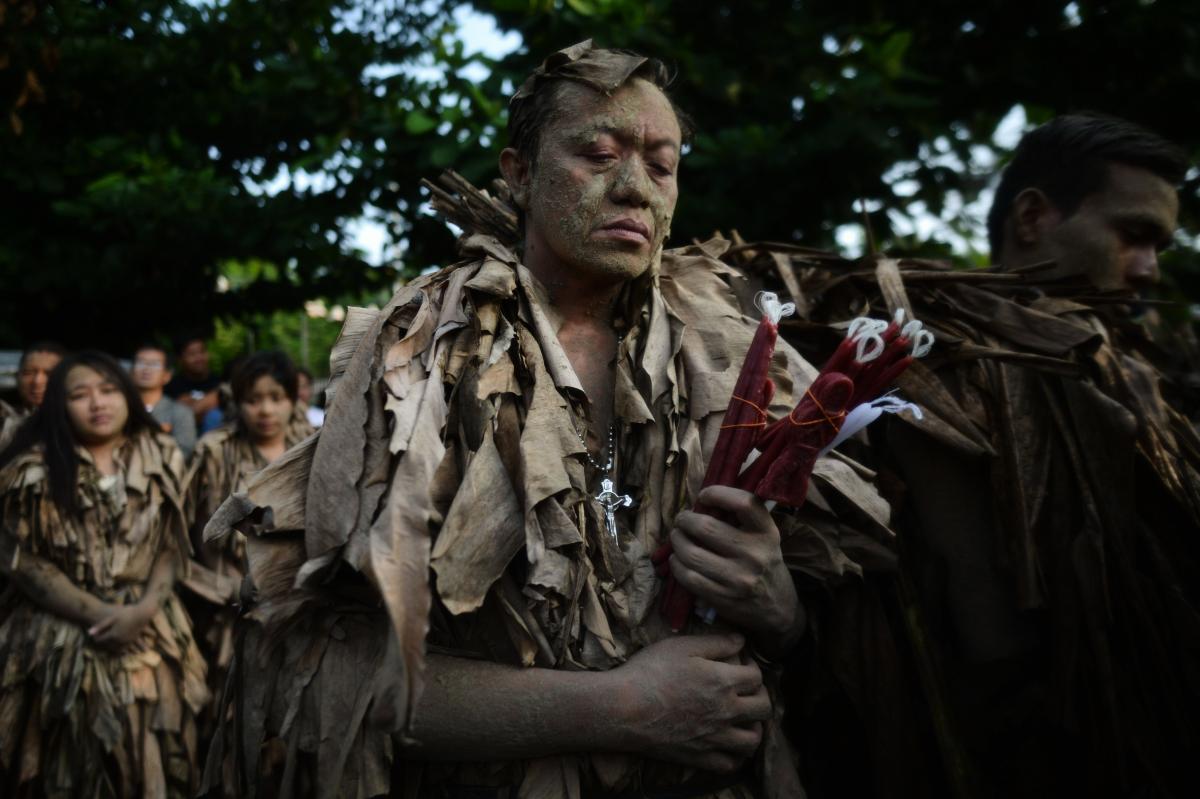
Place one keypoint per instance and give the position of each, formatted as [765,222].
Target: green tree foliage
[136,135]
[804,106]
[135,171]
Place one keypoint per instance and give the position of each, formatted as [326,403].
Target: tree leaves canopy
[139,135]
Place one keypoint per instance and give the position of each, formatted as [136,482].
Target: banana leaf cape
[447,504]
[1089,491]
[76,718]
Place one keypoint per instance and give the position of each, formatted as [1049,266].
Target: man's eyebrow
[1150,223]
[661,142]
[1147,227]
[585,135]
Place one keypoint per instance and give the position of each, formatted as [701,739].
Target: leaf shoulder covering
[1050,415]
[450,452]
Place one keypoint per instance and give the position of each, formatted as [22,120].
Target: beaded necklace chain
[610,449]
[608,497]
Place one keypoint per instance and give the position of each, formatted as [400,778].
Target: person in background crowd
[1054,571]
[151,372]
[268,422]
[314,414]
[101,677]
[196,386]
[33,371]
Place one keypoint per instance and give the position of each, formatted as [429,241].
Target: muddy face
[1117,233]
[598,199]
[34,375]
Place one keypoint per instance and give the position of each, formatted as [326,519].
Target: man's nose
[1142,268]
[630,186]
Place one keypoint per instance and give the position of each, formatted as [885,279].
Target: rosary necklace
[608,498]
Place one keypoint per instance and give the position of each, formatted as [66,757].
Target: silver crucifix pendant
[610,500]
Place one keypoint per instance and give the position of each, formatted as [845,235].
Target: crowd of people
[105,494]
[454,588]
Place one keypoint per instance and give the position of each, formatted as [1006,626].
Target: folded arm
[675,700]
[45,584]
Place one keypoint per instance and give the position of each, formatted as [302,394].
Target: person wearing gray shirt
[151,371]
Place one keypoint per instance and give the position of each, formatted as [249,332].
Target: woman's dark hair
[271,363]
[51,426]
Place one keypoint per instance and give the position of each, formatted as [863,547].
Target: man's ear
[1033,216]
[167,375]
[516,174]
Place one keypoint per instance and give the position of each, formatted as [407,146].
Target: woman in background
[100,679]
[268,422]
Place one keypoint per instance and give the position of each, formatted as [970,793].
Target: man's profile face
[33,376]
[193,359]
[150,369]
[1117,233]
[601,193]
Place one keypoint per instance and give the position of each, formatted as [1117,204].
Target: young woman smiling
[101,680]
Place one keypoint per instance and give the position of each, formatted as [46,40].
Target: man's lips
[627,229]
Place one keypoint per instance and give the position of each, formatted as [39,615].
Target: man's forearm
[487,711]
[46,585]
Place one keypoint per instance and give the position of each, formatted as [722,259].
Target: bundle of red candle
[774,460]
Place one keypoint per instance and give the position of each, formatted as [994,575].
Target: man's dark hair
[51,426]
[150,345]
[1068,158]
[181,342]
[271,363]
[52,347]
[536,104]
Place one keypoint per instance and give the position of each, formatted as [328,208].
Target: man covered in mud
[461,558]
[1049,560]
[33,373]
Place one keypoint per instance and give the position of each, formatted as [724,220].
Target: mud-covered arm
[685,699]
[123,624]
[45,584]
[161,582]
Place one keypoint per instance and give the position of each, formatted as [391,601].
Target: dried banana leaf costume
[450,446]
[78,720]
[1093,481]
[224,461]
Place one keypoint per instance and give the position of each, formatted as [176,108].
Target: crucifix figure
[610,500]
